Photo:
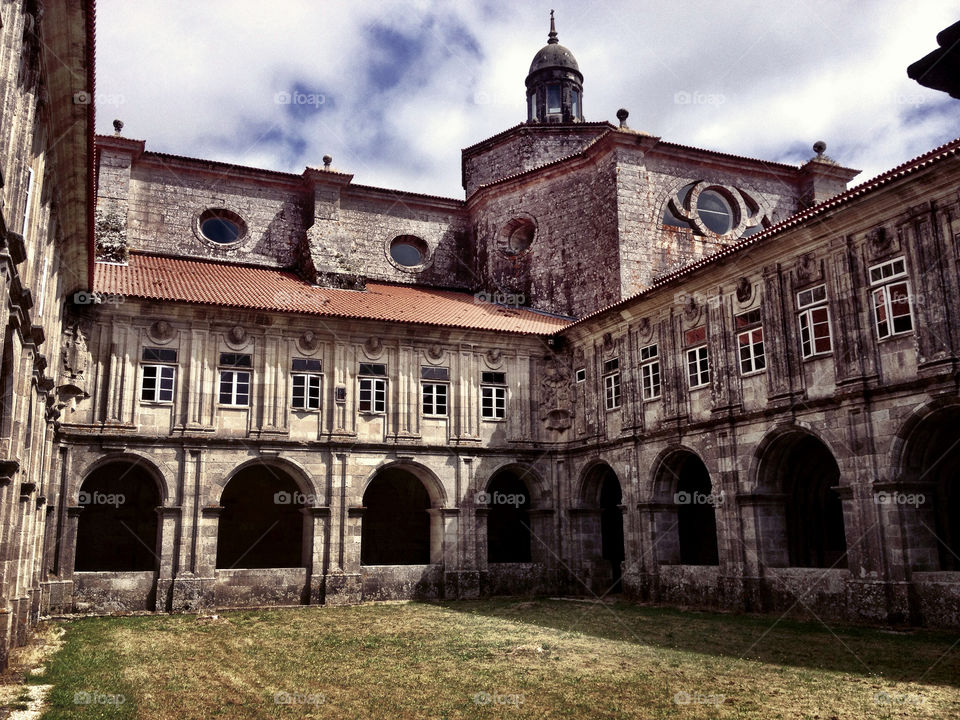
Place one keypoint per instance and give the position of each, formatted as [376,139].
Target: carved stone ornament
[493,357]
[161,331]
[806,268]
[308,341]
[608,342]
[879,239]
[691,309]
[644,327]
[76,357]
[373,347]
[557,397]
[237,335]
[744,290]
[435,351]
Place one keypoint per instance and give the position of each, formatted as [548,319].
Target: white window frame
[493,402]
[883,279]
[580,375]
[757,361]
[430,400]
[376,390]
[612,391]
[234,378]
[158,370]
[695,370]
[810,302]
[650,377]
[311,389]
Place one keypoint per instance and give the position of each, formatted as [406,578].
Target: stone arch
[147,465]
[923,499]
[261,523]
[118,528]
[432,483]
[600,528]
[800,514]
[539,491]
[515,532]
[284,468]
[684,509]
[402,523]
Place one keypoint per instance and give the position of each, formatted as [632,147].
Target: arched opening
[800,467]
[396,524]
[931,466]
[261,524]
[602,492]
[696,513]
[117,528]
[508,521]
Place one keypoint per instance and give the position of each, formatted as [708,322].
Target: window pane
[553,99]
[226,387]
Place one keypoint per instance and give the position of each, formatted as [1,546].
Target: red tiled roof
[154,277]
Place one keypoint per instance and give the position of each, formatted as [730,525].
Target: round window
[715,212]
[408,251]
[221,226]
[517,236]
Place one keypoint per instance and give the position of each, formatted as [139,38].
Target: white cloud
[406,85]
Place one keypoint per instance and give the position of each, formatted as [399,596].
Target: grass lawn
[499,658]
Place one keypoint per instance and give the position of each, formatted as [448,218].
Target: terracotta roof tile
[154,277]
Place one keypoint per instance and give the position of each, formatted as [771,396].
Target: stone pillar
[67,551]
[316,531]
[168,541]
[344,586]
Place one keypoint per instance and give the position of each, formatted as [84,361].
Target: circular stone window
[408,251]
[715,212]
[221,226]
[517,236]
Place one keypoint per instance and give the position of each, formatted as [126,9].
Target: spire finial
[552,36]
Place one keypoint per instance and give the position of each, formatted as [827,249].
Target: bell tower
[554,84]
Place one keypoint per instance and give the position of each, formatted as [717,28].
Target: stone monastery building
[619,364]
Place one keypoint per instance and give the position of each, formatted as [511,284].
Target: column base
[343,589]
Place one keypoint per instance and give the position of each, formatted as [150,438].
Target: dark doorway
[814,513]
[261,524]
[396,524]
[117,528]
[508,521]
[696,513]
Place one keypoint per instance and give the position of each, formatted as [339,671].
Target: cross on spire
[552,36]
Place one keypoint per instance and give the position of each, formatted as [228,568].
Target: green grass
[501,658]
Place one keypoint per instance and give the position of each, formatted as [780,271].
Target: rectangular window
[745,320]
[611,389]
[434,373]
[306,391]
[611,366]
[493,402]
[750,345]
[580,375]
[575,103]
[373,369]
[553,99]
[698,367]
[306,365]
[373,395]
[695,336]
[235,388]
[814,321]
[434,399]
[157,385]
[162,355]
[494,378]
[235,360]
[891,298]
[650,371]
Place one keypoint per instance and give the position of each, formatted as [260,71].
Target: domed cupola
[554,84]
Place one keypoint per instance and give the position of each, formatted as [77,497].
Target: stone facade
[744,395]
[46,116]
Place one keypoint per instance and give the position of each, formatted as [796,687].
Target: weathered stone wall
[524,148]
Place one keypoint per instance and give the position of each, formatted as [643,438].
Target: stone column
[168,541]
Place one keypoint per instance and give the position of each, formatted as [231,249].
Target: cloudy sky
[394,90]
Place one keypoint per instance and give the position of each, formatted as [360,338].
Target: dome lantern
[554,84]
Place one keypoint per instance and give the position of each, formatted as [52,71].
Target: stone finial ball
[118,125]
[327,160]
[819,147]
[622,114]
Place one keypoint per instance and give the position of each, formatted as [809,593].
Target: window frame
[697,370]
[881,286]
[434,400]
[376,404]
[612,391]
[758,361]
[308,379]
[496,409]
[234,385]
[806,309]
[158,369]
[650,376]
